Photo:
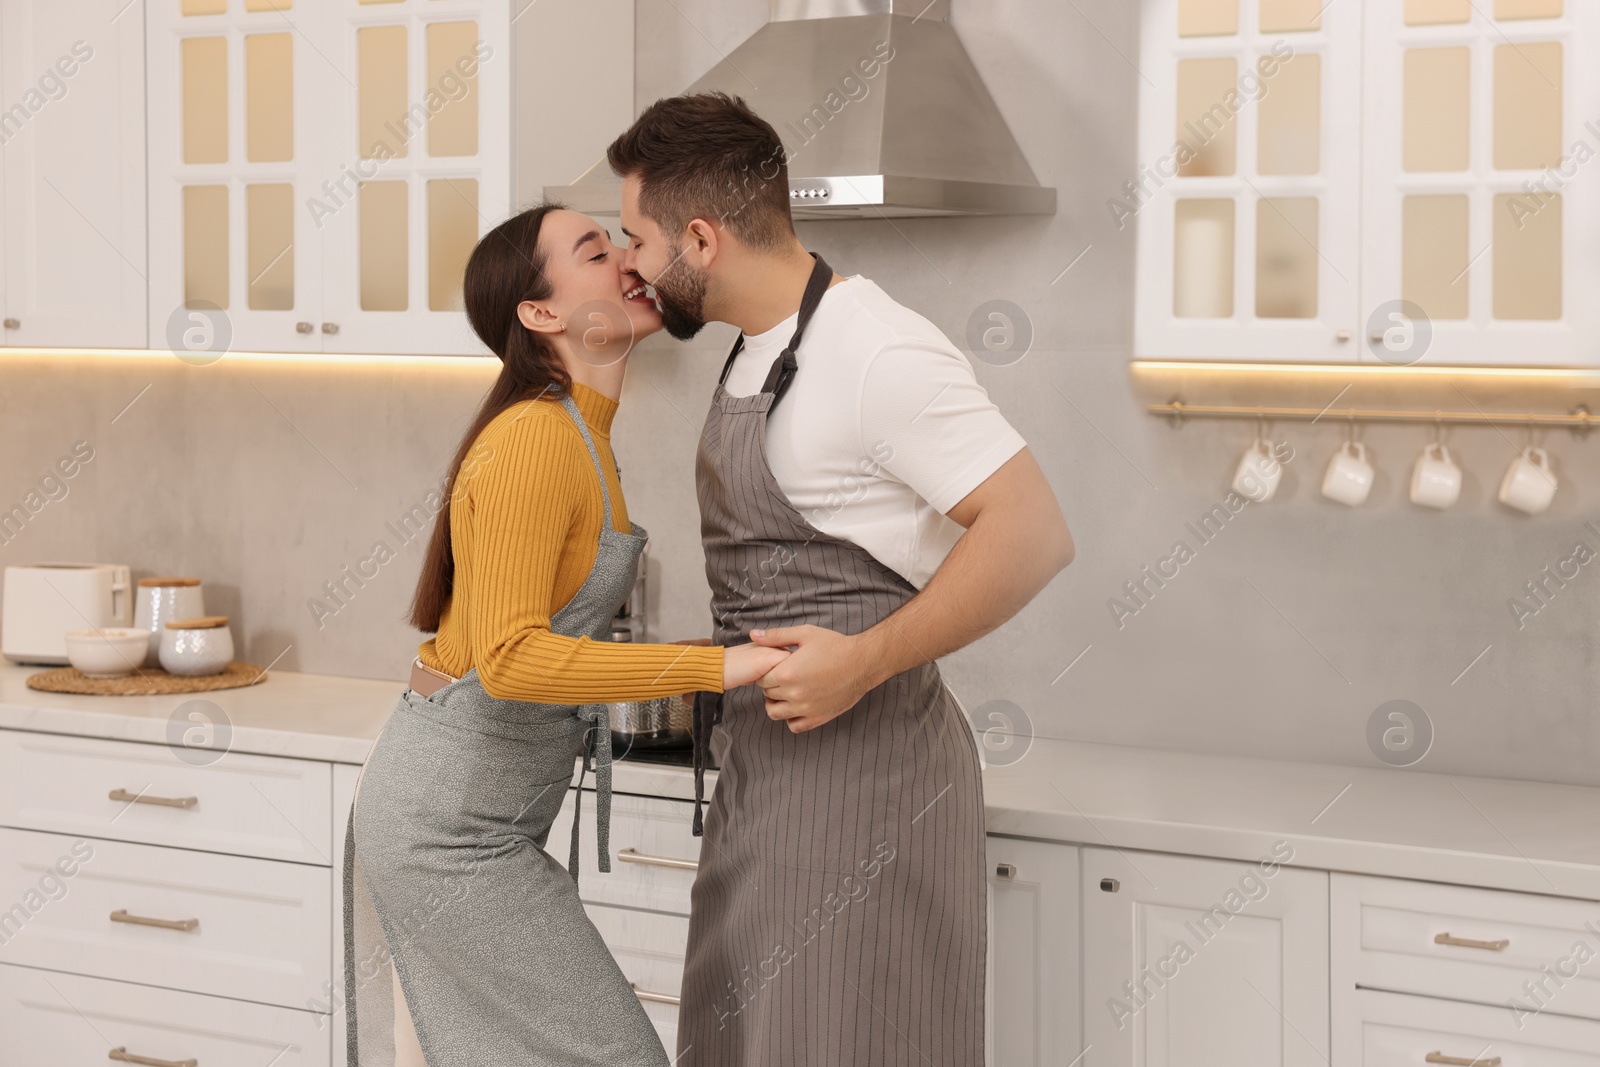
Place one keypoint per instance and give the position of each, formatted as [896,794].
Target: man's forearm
[997,567]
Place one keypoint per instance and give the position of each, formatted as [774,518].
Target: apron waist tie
[707,713]
[596,747]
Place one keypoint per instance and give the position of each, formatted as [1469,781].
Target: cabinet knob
[330,327]
[1109,885]
[1006,871]
[302,327]
[13,324]
[1343,336]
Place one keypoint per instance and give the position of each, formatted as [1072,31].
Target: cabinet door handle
[1005,871]
[13,324]
[121,916]
[653,998]
[330,327]
[303,327]
[1467,942]
[1461,1061]
[628,855]
[144,798]
[122,1055]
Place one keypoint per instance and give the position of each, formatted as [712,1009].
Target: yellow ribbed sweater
[524,526]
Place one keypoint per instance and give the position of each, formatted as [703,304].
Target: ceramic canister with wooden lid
[161,600]
[194,647]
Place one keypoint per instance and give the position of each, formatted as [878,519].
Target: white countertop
[307,716]
[1488,832]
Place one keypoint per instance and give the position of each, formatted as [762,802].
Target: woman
[494,961]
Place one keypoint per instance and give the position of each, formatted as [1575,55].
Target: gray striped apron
[447,881]
[839,913]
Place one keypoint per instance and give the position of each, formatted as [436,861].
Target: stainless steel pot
[663,722]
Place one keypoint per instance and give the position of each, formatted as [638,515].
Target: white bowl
[111,652]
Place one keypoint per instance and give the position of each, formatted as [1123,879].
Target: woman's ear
[539,318]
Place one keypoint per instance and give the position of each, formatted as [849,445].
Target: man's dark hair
[708,156]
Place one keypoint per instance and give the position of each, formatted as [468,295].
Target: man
[863,503]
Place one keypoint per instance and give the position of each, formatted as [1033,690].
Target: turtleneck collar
[597,409]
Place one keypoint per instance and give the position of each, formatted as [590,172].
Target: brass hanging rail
[1580,420]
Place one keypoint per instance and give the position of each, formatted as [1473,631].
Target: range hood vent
[881,112]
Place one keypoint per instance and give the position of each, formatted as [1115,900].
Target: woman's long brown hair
[505,269]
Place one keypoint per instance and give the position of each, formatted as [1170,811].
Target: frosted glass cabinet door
[1245,193]
[1033,1017]
[1202,963]
[416,137]
[1478,208]
[74,173]
[234,120]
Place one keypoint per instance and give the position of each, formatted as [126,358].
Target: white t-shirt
[883,429]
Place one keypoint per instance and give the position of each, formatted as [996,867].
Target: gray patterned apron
[838,916]
[446,877]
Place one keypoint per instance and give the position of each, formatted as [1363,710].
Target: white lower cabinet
[228,925]
[1195,962]
[1033,1011]
[1397,1030]
[179,912]
[1488,946]
[1097,957]
[49,1019]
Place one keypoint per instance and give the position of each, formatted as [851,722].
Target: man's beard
[681,292]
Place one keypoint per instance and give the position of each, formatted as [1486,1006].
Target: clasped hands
[809,675]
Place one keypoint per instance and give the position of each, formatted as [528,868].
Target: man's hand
[825,677]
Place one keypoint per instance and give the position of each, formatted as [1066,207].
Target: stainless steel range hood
[881,112]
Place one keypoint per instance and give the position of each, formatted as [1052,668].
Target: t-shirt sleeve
[928,422]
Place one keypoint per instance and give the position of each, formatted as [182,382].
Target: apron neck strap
[784,367]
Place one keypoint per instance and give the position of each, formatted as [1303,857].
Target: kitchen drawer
[1397,1030]
[48,1020]
[242,804]
[650,949]
[264,928]
[1405,936]
[653,852]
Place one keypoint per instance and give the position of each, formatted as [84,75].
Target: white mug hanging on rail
[1435,480]
[1258,473]
[1350,475]
[1529,484]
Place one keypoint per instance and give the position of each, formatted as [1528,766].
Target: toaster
[39,603]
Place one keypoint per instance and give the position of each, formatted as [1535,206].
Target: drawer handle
[142,798]
[122,1055]
[1467,942]
[121,916]
[628,855]
[653,998]
[1459,1061]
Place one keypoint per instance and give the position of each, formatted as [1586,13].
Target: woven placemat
[149,681]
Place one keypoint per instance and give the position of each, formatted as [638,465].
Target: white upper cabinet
[1480,117]
[1390,180]
[319,172]
[1249,174]
[72,159]
[416,161]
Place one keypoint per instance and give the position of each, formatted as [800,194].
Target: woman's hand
[748,664]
